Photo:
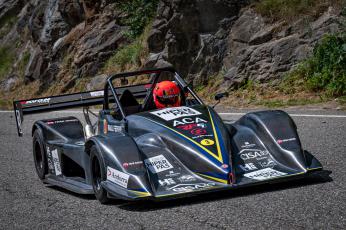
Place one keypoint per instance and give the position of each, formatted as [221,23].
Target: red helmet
[166,94]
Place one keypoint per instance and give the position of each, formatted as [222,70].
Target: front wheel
[98,174]
[39,152]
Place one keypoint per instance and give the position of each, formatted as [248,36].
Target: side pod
[269,139]
[123,161]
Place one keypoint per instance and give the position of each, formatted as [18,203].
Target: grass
[22,90]
[129,57]
[289,102]
[291,9]
[341,100]
[269,96]
[6,60]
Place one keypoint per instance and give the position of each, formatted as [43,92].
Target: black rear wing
[67,101]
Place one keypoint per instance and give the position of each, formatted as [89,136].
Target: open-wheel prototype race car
[135,151]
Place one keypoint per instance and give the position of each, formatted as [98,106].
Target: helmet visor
[169,99]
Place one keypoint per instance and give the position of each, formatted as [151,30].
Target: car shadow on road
[145,206]
[82,196]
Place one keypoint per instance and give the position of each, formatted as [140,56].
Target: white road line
[225,114]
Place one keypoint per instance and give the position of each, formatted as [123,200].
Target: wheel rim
[38,156]
[96,174]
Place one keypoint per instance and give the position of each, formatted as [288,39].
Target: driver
[166,94]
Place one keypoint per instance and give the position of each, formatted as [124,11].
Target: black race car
[135,151]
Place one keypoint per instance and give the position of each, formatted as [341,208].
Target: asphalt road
[315,203]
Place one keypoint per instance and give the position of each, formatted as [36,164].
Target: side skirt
[70,184]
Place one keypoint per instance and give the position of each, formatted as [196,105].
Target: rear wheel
[39,152]
[98,174]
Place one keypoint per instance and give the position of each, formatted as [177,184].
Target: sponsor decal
[191,187]
[49,159]
[117,177]
[186,178]
[207,142]
[166,182]
[269,163]
[56,162]
[188,120]
[257,154]
[247,145]
[172,174]
[115,128]
[60,121]
[264,174]
[41,101]
[158,164]
[208,135]
[198,132]
[175,112]
[248,167]
[132,164]
[97,93]
[285,140]
[202,125]
[187,127]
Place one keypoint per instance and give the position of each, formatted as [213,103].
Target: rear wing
[67,101]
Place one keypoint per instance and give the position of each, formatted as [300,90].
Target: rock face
[221,35]
[191,36]
[63,41]
[66,39]
[175,37]
[261,51]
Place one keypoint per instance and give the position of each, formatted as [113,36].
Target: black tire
[98,174]
[40,157]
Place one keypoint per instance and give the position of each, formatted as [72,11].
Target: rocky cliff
[57,46]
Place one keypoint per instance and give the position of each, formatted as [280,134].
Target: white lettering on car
[247,154]
[97,93]
[264,174]
[191,187]
[175,112]
[188,120]
[44,100]
[158,164]
[56,162]
[117,177]
[167,181]
[248,167]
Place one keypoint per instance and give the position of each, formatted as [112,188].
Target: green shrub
[328,66]
[325,70]
[139,14]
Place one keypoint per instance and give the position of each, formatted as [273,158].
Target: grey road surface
[315,203]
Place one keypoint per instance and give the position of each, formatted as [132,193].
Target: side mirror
[219,96]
